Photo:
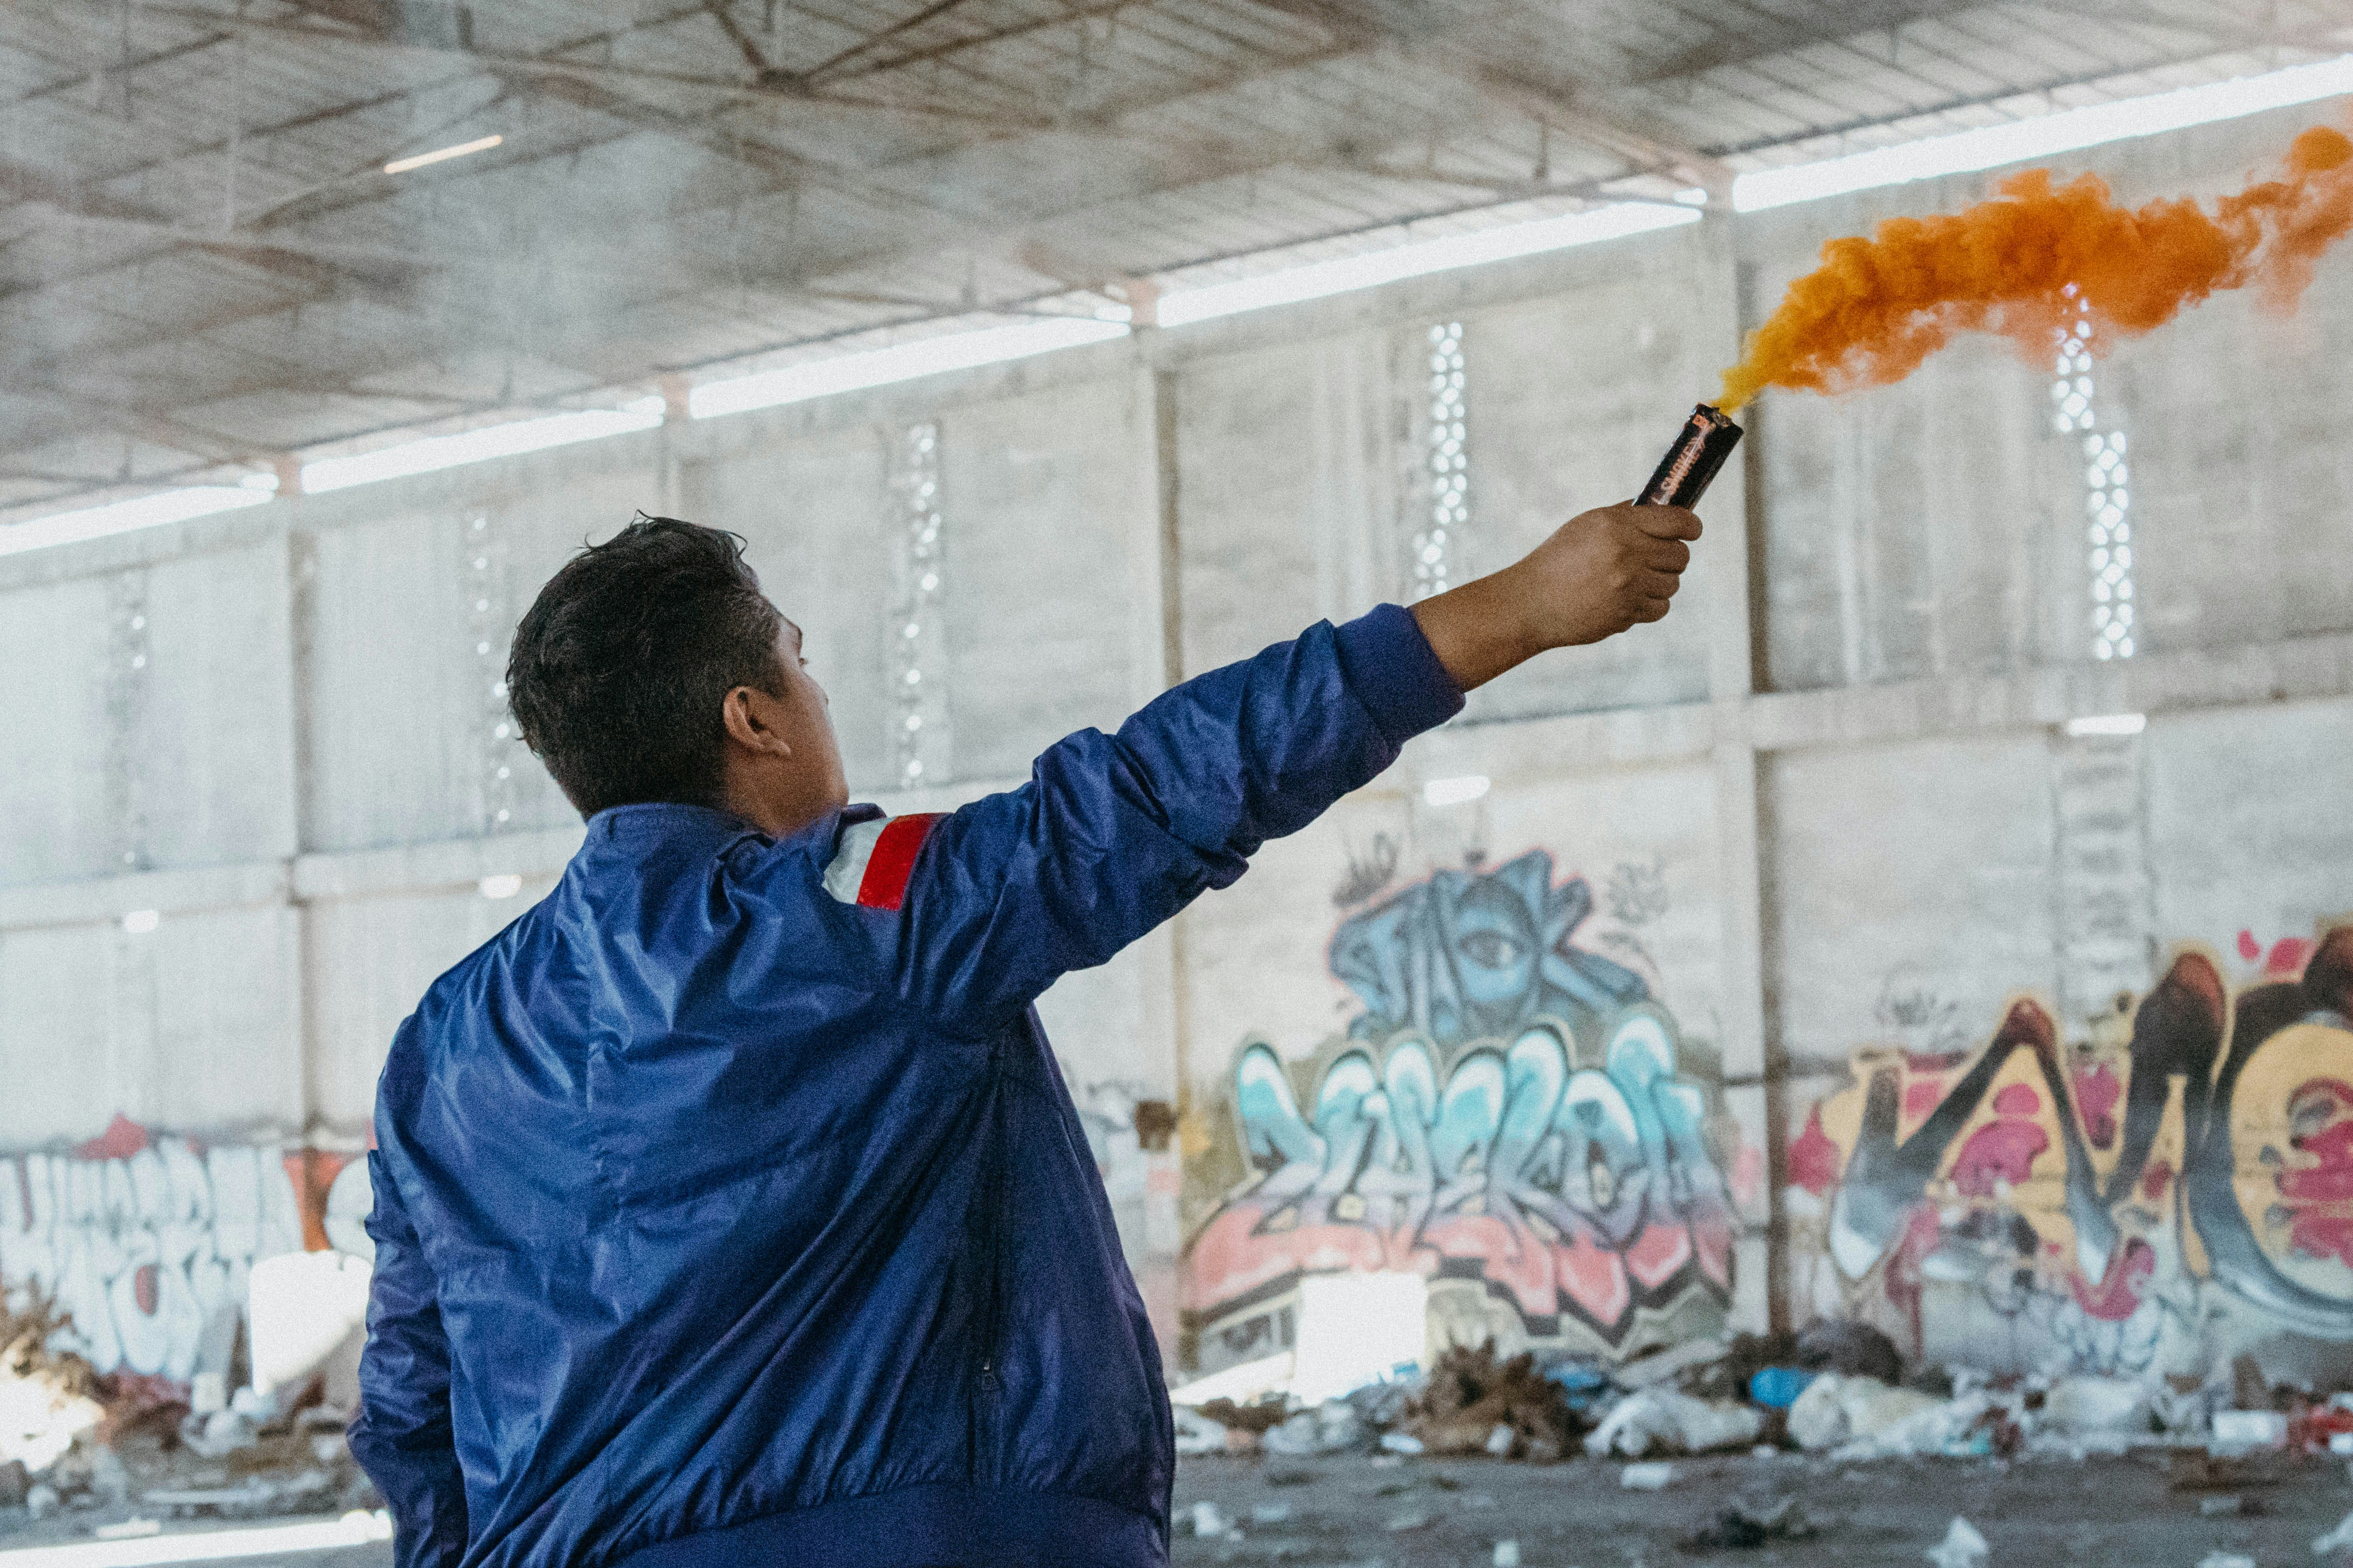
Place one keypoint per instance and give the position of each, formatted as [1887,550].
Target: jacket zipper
[991,1378]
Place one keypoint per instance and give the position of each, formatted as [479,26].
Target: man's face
[805,722]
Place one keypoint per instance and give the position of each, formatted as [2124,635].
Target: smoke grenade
[1684,473]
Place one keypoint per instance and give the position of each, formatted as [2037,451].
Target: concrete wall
[1819,827]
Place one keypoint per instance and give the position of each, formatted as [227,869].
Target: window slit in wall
[918,742]
[1438,538]
[2107,496]
[128,687]
[484,572]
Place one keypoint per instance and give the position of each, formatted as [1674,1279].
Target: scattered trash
[1962,1547]
[1647,1477]
[2194,1471]
[1406,1521]
[1836,1410]
[1646,1372]
[1583,1383]
[2337,1540]
[2248,1389]
[46,1399]
[1196,1433]
[1270,1513]
[1261,1416]
[2099,1407]
[1401,1443]
[1662,1420]
[2226,1560]
[2242,1429]
[128,1530]
[1310,1432]
[42,1501]
[1747,1525]
[2224,1507]
[1851,1350]
[1777,1387]
[1468,1393]
[1507,1554]
[219,1435]
[1208,1522]
[1499,1440]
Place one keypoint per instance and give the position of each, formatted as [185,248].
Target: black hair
[621,666]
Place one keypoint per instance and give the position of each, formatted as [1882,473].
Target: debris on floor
[48,1399]
[127,1452]
[1473,1403]
[1660,1420]
[1962,1547]
[1651,1477]
[1747,1525]
[2339,1540]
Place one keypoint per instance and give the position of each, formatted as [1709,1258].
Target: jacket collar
[671,825]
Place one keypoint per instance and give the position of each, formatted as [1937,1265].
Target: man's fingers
[1652,610]
[1666,521]
[1665,554]
[1657,584]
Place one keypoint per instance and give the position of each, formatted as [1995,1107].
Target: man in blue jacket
[730,1207]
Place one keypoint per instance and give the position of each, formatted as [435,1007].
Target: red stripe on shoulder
[884,886]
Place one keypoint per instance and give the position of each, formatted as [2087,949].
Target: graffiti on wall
[2106,1200]
[1509,1109]
[149,1240]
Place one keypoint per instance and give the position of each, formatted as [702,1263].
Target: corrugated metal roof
[201,261]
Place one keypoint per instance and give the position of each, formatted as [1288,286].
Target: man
[730,1207]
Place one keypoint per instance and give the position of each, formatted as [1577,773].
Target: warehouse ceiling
[203,261]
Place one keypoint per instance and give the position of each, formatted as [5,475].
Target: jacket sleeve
[1114,834]
[402,1436]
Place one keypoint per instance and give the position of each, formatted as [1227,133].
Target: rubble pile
[1473,1403]
[1839,1390]
[48,1399]
[75,1442]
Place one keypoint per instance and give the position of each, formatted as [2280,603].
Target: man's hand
[1601,572]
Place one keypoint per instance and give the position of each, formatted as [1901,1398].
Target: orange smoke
[1876,308]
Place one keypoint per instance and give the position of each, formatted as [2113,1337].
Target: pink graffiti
[2097,1093]
[1814,1160]
[2003,1151]
[2117,1294]
[2316,1228]
[1542,1278]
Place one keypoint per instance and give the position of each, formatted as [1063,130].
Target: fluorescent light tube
[2068,130]
[1179,306]
[901,362]
[442,155]
[433,452]
[118,517]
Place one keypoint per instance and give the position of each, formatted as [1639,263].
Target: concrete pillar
[2107,918]
[1750,1096]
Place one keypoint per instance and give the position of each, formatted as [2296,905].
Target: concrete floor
[1358,1512]
[2100,1513]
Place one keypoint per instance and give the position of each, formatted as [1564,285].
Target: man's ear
[752,718]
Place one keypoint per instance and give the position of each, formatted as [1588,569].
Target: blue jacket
[730,1206]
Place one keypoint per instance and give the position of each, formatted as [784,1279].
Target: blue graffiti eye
[1490,949]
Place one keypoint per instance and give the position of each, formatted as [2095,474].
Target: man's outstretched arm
[1114,834]
[402,1436]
